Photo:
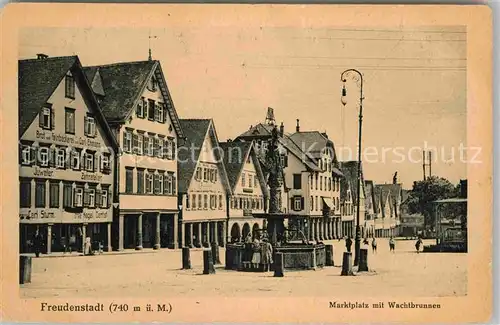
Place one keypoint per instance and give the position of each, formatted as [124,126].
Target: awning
[328,201]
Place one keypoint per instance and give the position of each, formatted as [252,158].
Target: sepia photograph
[210,159]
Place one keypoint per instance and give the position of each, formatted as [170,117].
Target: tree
[424,192]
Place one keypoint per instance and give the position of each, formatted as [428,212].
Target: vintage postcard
[246,163]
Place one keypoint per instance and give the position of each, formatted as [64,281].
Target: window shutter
[148,183]
[85,125]
[86,198]
[174,150]
[292,206]
[110,198]
[124,141]
[20,151]
[94,128]
[164,113]
[52,119]
[98,198]
[40,119]
[33,155]
[302,203]
[174,185]
[52,157]
[135,143]
[96,162]
[74,197]
[145,141]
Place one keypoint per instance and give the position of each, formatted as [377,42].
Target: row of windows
[141,144]
[64,158]
[245,203]
[253,181]
[150,181]
[204,201]
[74,195]
[206,174]
[47,120]
[325,183]
[152,110]
[325,164]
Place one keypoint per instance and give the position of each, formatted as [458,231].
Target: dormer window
[70,86]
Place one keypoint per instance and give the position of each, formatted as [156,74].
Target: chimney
[41,56]
[251,126]
[229,140]
[324,134]
[282,129]
[297,128]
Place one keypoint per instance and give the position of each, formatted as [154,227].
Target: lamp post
[357,241]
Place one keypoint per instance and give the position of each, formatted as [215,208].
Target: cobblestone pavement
[157,273]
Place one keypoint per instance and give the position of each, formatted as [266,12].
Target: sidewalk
[122,252]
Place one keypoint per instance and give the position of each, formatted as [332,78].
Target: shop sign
[42,215]
[69,139]
[91,215]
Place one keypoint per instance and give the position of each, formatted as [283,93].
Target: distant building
[249,193]
[136,102]
[349,199]
[388,209]
[203,185]
[66,157]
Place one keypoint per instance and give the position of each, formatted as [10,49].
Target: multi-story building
[369,209]
[138,107]
[349,199]
[311,177]
[321,187]
[203,185]
[248,188]
[66,157]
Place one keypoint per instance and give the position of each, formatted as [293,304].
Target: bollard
[24,269]
[347,264]
[208,262]
[363,260]
[215,253]
[279,268]
[186,258]
[329,255]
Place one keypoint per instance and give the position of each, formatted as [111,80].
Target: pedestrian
[37,242]
[374,245]
[392,244]
[418,244]
[348,244]
[365,241]
[267,254]
[256,250]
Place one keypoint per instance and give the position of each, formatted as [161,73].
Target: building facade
[249,193]
[138,107]
[203,185]
[349,199]
[66,156]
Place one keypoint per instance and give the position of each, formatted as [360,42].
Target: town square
[314,173]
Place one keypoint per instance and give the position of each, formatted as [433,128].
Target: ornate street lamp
[358,77]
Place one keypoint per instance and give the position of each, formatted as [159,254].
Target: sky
[414,83]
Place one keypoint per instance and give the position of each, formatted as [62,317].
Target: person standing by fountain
[256,253]
[267,256]
[248,248]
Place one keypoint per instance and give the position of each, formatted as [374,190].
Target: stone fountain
[284,231]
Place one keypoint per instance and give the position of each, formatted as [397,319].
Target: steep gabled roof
[38,79]
[394,190]
[236,154]
[350,171]
[124,84]
[196,131]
